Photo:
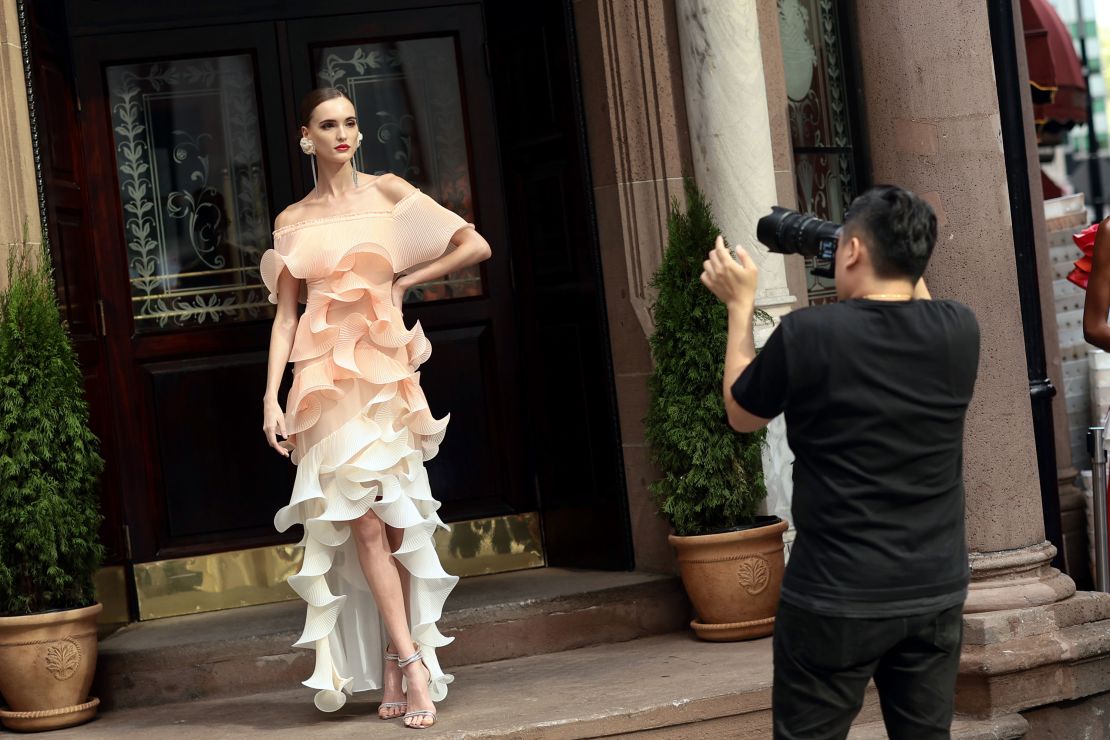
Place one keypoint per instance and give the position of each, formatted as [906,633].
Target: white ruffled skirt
[372,462]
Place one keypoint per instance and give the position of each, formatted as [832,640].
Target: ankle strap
[411,659]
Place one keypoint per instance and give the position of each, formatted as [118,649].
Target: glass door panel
[188,155]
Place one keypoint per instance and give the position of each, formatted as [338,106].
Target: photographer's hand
[733,281]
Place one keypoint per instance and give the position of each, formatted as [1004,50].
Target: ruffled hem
[369,465]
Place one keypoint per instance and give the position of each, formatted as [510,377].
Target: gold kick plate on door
[223,580]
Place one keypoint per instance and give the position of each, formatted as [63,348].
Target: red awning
[1055,75]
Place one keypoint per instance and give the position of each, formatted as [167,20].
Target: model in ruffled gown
[356,422]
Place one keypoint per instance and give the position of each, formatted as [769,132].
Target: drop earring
[308,146]
[354,171]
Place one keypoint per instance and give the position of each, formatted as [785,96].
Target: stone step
[665,686]
[1005,727]
[497,617]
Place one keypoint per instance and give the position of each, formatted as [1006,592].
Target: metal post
[1096,443]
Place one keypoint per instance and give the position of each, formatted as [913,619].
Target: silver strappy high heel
[402,663]
[391,704]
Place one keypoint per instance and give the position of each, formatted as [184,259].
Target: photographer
[875,389]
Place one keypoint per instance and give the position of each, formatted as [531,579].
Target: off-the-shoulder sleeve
[270,268]
[423,230]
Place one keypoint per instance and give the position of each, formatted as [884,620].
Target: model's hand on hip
[400,287]
[733,281]
[273,424]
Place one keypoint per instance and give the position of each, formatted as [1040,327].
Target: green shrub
[712,477]
[49,463]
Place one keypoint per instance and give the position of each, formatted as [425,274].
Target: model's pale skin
[333,125]
[734,282]
[1096,306]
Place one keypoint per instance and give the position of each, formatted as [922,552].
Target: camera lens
[788,232]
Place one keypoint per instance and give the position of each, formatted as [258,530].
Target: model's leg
[395,537]
[917,679]
[393,696]
[378,565]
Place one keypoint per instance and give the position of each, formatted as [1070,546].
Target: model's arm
[1096,306]
[470,247]
[282,333]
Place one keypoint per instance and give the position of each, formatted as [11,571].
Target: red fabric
[1060,92]
[1085,240]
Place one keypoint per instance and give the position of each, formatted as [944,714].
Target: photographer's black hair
[899,228]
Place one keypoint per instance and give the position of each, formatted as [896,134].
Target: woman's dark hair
[900,230]
[314,98]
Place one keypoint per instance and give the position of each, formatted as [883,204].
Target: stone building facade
[699,88]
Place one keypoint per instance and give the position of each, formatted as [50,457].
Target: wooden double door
[170,143]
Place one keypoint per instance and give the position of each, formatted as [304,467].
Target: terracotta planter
[47,663]
[733,580]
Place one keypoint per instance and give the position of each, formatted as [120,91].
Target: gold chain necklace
[888,297]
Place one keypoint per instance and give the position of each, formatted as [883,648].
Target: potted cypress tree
[49,516]
[711,483]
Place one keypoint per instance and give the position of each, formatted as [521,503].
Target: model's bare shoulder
[283,219]
[292,214]
[393,187]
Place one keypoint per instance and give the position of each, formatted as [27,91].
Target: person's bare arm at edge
[1096,306]
[734,282]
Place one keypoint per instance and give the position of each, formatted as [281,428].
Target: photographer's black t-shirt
[875,394]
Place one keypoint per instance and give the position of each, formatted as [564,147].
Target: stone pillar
[1073,524]
[639,154]
[18,194]
[737,108]
[934,127]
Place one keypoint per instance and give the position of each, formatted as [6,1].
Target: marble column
[934,127]
[730,130]
[18,193]
[737,109]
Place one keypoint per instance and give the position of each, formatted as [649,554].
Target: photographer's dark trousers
[823,665]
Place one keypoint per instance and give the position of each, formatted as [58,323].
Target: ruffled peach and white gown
[361,432]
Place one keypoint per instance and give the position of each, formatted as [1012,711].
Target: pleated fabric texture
[361,431]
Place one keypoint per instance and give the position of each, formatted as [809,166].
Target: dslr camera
[788,232]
